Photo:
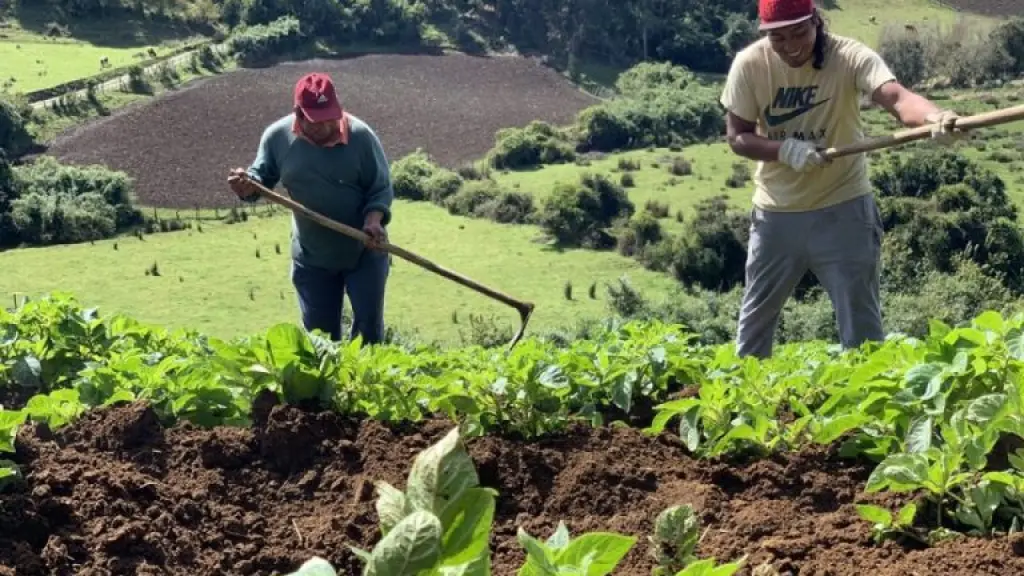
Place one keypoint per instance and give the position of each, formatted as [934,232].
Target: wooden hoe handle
[983,120]
[525,309]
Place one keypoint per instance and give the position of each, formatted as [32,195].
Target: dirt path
[117,493]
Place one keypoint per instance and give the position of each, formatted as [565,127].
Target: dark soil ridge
[117,493]
[180,146]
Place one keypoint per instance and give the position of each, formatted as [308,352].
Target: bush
[656,209]
[642,230]
[49,203]
[711,252]
[138,83]
[951,298]
[416,177]
[579,214]
[740,175]
[905,54]
[660,104]
[538,143]
[959,56]
[261,43]
[15,139]
[484,199]
[937,206]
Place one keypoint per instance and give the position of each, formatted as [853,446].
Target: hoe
[983,120]
[525,309]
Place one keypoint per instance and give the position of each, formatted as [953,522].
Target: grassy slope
[998,148]
[33,60]
[219,266]
[853,17]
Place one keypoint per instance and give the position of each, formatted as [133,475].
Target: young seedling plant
[441,524]
[438,527]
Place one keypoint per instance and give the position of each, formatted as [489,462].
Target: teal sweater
[342,182]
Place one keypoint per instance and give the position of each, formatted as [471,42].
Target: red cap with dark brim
[776,14]
[316,97]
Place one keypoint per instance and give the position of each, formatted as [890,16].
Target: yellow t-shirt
[808,104]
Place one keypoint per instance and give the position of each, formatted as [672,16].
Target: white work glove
[942,127]
[800,154]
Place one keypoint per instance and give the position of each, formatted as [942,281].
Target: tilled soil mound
[180,147]
[117,493]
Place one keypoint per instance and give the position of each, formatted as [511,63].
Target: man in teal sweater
[333,163]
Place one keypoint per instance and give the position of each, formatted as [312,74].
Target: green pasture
[658,175]
[38,54]
[213,280]
[854,17]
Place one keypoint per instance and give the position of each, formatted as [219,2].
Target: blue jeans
[321,293]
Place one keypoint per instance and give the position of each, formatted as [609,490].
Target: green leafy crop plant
[933,415]
[441,525]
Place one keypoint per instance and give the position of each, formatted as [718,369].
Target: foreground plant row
[943,417]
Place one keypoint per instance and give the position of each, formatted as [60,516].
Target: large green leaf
[467,525]
[414,544]
[605,549]
[440,473]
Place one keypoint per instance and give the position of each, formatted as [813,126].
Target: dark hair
[821,41]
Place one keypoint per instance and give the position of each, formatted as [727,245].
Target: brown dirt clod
[115,492]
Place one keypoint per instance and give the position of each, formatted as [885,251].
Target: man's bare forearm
[754,147]
[911,109]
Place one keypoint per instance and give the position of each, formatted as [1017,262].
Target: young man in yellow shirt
[788,96]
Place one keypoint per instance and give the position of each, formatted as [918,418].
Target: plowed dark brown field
[117,493]
[180,147]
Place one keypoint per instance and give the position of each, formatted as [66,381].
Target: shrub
[49,203]
[905,54]
[261,43]
[656,209]
[641,231]
[15,139]
[538,143]
[416,177]
[711,251]
[578,214]
[960,56]
[938,205]
[659,105]
[484,199]
[740,175]
[680,167]
[137,81]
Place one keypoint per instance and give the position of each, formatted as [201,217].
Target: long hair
[821,41]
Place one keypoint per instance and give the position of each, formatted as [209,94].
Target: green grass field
[1000,149]
[213,281]
[205,278]
[37,55]
[853,17]
[653,178]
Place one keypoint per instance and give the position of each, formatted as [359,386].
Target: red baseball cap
[315,96]
[781,13]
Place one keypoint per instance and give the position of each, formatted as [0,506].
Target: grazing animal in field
[152,53]
[104,62]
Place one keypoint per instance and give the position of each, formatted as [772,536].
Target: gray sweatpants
[841,245]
